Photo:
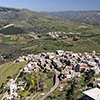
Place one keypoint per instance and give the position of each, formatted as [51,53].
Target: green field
[10,71]
[12,42]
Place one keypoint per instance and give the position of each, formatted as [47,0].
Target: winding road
[54,87]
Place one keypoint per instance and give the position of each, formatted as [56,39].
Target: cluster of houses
[56,34]
[32,34]
[68,63]
[82,26]
[12,91]
[73,33]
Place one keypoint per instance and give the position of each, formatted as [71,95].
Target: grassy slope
[14,68]
[49,45]
[87,45]
[31,21]
[12,30]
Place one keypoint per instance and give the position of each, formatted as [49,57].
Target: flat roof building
[94,94]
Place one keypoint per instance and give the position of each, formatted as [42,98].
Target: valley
[54,56]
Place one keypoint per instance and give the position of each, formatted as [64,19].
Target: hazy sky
[53,5]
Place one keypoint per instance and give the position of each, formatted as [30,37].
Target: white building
[60,52]
[51,55]
[68,76]
[13,88]
[92,93]
[93,53]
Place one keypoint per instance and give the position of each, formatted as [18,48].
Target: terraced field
[10,69]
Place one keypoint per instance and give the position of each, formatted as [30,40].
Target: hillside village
[69,68]
[63,73]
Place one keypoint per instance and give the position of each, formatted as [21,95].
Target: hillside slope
[33,21]
[88,17]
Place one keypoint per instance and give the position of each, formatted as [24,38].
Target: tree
[42,79]
[55,96]
[49,76]
[21,74]
[2,86]
[75,38]
[27,86]
[73,88]
[32,90]
[36,82]
[69,97]
[43,86]
[9,77]
[71,91]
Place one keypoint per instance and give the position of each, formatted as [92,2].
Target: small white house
[68,76]
[93,53]
[60,52]
[29,65]
[25,68]
[9,98]
[33,64]
[13,88]
[74,54]
[51,55]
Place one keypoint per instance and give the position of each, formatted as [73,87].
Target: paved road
[34,96]
[54,87]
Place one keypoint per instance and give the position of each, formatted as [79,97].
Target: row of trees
[36,82]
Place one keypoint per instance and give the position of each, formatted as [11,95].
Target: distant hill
[88,17]
[26,21]
[31,21]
